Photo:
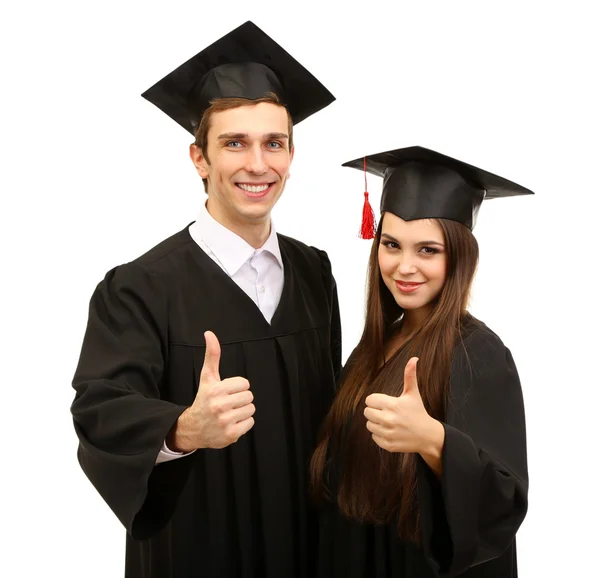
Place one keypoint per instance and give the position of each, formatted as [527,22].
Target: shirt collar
[230,249]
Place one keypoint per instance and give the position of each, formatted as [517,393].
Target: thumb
[410,377]
[212,358]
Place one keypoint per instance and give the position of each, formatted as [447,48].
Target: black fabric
[468,520]
[245,63]
[239,511]
[419,183]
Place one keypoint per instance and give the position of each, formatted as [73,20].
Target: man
[209,362]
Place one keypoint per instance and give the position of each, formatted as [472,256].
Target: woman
[421,468]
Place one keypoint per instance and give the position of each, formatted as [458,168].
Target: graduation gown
[468,519]
[241,511]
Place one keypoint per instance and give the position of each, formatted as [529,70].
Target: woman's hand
[402,424]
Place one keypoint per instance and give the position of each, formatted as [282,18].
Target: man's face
[248,150]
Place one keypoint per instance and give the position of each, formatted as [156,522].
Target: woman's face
[412,259]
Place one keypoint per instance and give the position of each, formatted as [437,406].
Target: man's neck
[255,234]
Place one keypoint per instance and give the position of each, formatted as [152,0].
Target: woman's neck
[413,319]
[408,325]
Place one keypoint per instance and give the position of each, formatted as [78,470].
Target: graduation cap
[245,63]
[419,183]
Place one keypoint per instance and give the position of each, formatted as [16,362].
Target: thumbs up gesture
[400,424]
[222,410]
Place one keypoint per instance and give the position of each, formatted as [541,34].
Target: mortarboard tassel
[368,228]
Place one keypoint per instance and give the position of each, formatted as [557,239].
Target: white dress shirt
[258,272]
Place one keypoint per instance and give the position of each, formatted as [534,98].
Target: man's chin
[256,213]
[260,206]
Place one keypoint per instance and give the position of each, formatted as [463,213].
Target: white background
[93,175]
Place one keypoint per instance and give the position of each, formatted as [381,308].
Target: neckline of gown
[275,327]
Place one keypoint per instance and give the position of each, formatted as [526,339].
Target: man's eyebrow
[279,135]
[243,135]
[232,135]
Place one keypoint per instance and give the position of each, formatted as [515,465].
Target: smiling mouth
[254,189]
[407,287]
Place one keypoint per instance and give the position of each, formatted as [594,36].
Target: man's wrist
[178,438]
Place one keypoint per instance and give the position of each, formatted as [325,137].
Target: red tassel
[368,228]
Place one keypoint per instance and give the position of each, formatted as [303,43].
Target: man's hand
[222,411]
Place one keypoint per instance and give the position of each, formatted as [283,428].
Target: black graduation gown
[241,511]
[470,518]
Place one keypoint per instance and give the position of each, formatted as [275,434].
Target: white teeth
[253,189]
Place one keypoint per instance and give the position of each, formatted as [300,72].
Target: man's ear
[199,160]
[291,159]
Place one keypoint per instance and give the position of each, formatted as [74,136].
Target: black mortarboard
[419,183]
[245,63]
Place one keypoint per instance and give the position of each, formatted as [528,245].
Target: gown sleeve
[119,416]
[473,514]
[336,326]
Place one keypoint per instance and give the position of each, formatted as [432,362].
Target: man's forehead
[260,118]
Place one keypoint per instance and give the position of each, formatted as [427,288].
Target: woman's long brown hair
[373,485]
